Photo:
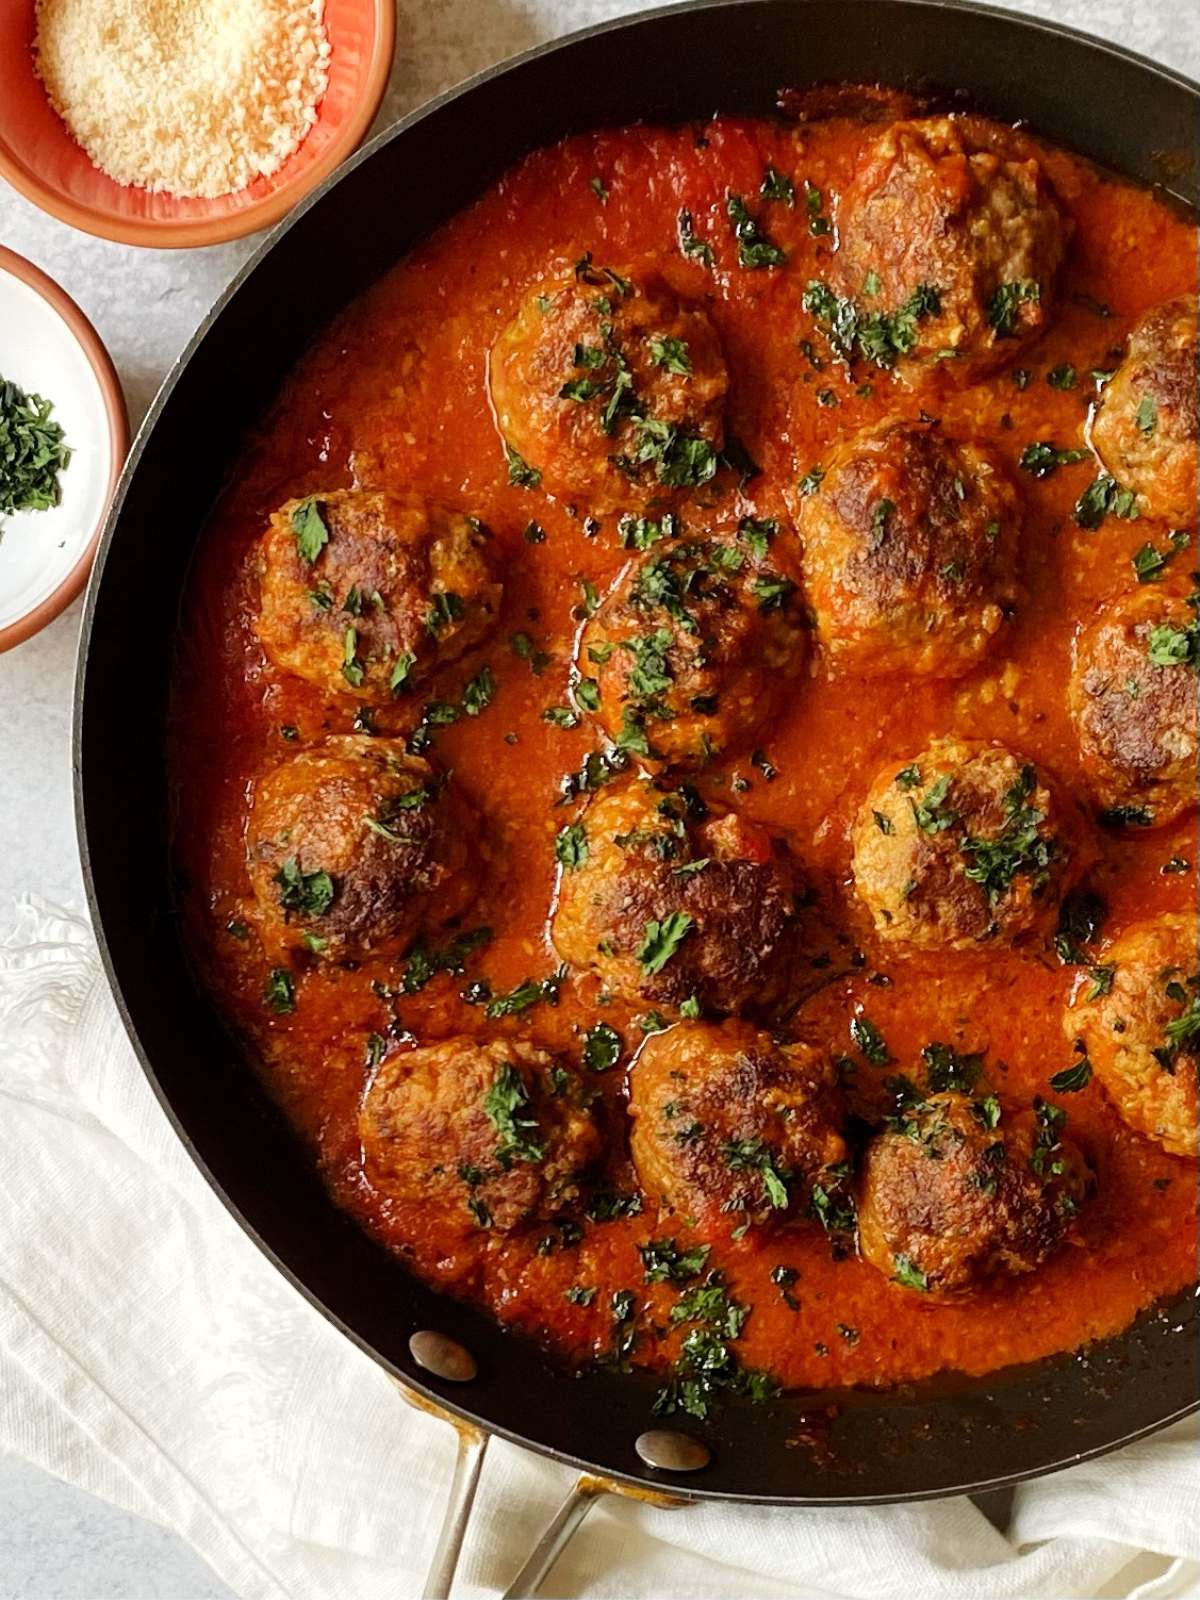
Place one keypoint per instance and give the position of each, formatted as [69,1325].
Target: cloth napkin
[149,1353]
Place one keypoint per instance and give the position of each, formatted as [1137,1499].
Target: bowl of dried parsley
[64,435]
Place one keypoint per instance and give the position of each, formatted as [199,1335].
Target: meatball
[366,594]
[491,1135]
[962,844]
[1146,429]
[1132,698]
[610,388]
[950,241]
[910,552]
[1141,1029]
[670,904]
[354,846]
[730,1126]
[955,1192]
[686,653]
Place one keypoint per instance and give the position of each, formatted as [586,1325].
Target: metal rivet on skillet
[444,1357]
[672,1452]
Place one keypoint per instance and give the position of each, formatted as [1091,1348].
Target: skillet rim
[1019,24]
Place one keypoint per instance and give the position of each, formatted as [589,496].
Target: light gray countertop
[57,1543]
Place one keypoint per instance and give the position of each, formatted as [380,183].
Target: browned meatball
[964,843]
[670,905]
[1132,698]
[684,657]
[1146,428]
[949,230]
[610,388]
[910,552]
[1142,1032]
[492,1135]
[365,594]
[955,1192]
[730,1126]
[354,846]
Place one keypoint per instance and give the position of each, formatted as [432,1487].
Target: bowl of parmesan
[156,122]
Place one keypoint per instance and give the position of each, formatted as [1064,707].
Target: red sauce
[395,396]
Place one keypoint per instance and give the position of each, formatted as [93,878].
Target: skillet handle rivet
[442,1356]
[669,1451]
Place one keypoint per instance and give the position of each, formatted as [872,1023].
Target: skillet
[949,1436]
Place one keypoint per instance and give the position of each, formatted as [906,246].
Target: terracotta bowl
[41,159]
[47,345]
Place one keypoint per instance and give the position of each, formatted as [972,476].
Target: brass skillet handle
[565,1522]
[472,1445]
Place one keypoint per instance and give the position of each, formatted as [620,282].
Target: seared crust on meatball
[955,1192]
[610,388]
[354,846]
[730,1126]
[688,649]
[492,1135]
[952,205]
[669,906]
[1146,429]
[910,552]
[964,843]
[366,594]
[1132,698]
[1142,1033]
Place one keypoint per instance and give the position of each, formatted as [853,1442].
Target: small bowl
[39,157]
[48,347]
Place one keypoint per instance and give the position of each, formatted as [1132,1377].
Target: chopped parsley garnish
[309,527]
[752,1155]
[1169,646]
[520,474]
[424,964]
[819,225]
[1147,415]
[777,186]
[670,354]
[532,992]
[587,693]
[948,1070]
[280,993]
[771,592]
[578,1295]
[1102,496]
[401,668]
[870,1041]
[1149,563]
[507,1107]
[571,846]
[755,249]
[880,337]
[757,533]
[561,717]
[444,608]
[783,1278]
[352,668]
[932,814]
[1042,458]
[601,1047]
[1073,1078]
[33,451]
[664,1262]
[1019,849]
[478,692]
[597,187]
[1005,305]
[661,940]
[908,1274]
[908,777]
[309,893]
[609,1205]
[689,244]
[811,481]
[1128,817]
[1062,377]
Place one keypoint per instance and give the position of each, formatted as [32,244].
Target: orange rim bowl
[42,161]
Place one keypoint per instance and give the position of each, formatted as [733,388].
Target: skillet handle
[472,1445]
[566,1520]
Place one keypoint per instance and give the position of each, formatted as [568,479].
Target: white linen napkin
[149,1353]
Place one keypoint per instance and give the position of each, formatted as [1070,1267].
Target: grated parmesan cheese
[190,97]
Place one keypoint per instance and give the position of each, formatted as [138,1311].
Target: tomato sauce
[394,395]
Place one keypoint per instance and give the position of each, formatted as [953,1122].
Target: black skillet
[685,62]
